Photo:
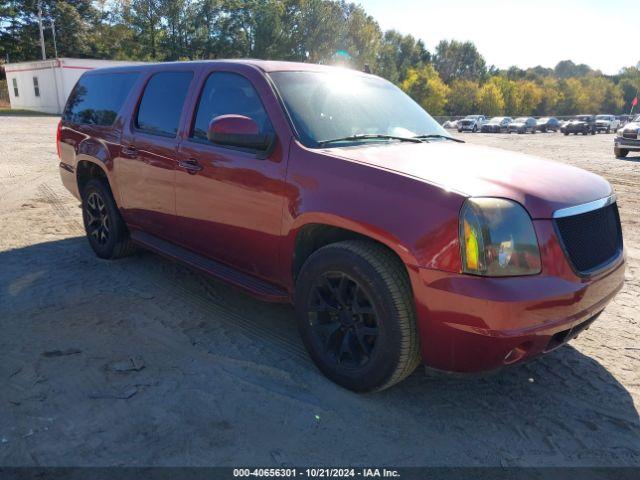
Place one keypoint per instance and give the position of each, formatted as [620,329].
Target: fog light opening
[517,353]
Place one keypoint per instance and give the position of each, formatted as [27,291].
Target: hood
[633,126]
[541,186]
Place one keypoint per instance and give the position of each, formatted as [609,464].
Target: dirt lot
[143,362]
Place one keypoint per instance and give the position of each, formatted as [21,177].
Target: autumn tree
[426,87]
[490,100]
[463,97]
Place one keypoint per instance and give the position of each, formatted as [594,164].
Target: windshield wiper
[370,136]
[437,135]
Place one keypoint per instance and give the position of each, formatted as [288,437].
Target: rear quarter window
[97,98]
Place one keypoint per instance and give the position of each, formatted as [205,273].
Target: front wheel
[356,315]
[106,231]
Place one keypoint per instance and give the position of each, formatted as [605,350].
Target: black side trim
[249,283]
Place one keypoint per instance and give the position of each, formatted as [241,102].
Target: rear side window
[97,99]
[162,101]
[228,93]
[15,87]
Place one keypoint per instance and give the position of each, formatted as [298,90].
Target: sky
[603,34]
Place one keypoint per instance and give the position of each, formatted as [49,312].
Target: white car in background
[607,123]
[450,124]
[471,123]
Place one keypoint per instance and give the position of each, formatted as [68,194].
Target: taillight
[58,136]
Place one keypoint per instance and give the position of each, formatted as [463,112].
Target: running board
[252,285]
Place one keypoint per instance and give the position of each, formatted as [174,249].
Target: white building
[44,85]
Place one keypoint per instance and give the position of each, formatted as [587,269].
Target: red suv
[333,190]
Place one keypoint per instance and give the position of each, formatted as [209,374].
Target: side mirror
[238,131]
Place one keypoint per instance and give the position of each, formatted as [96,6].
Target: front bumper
[627,143]
[470,324]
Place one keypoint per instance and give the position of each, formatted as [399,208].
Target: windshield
[584,118]
[496,120]
[521,119]
[327,106]
[602,117]
[637,119]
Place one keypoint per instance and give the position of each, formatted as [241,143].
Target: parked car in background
[607,123]
[471,123]
[450,124]
[496,125]
[276,178]
[548,124]
[523,125]
[624,119]
[627,138]
[585,124]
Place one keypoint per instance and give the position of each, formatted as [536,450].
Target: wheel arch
[316,230]
[87,168]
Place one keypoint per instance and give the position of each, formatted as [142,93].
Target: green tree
[456,60]
[397,54]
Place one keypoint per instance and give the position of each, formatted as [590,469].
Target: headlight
[620,132]
[497,239]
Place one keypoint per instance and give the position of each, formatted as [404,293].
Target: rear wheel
[356,315]
[106,231]
[620,152]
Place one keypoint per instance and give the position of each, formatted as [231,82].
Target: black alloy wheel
[98,223]
[356,315]
[106,231]
[343,320]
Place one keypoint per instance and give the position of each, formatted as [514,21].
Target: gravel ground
[143,362]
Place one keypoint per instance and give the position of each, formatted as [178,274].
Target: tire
[566,133]
[475,129]
[608,129]
[620,152]
[358,276]
[106,231]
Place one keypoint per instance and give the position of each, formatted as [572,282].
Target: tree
[456,60]
[529,95]
[551,97]
[145,17]
[490,100]
[398,53]
[463,97]
[427,88]
[566,69]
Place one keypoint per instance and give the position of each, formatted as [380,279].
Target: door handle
[129,151]
[191,166]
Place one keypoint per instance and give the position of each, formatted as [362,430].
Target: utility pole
[44,55]
[53,32]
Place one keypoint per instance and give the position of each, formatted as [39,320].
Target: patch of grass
[7,112]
